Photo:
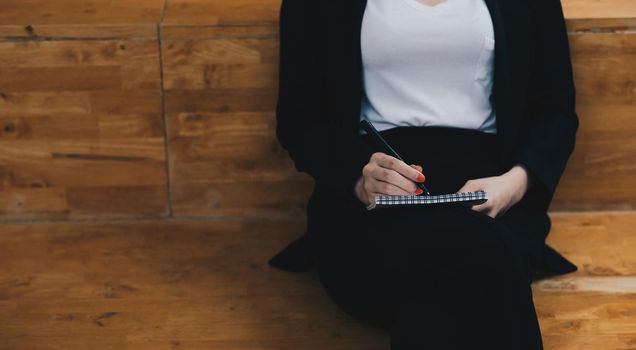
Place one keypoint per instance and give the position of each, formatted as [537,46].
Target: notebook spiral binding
[466,198]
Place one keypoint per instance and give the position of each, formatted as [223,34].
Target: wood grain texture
[590,321]
[202,12]
[593,308]
[221,88]
[599,174]
[81,129]
[599,9]
[174,283]
[601,243]
[84,32]
[222,13]
[164,285]
[80,12]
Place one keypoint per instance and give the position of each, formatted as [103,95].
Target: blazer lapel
[501,79]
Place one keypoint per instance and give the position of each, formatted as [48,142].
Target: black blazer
[320,92]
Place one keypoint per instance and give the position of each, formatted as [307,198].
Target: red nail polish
[419,191]
[421,178]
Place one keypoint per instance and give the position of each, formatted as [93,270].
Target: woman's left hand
[503,191]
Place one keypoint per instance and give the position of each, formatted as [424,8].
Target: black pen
[370,129]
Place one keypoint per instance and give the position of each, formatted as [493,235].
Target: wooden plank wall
[82,132]
[112,108]
[221,87]
[600,174]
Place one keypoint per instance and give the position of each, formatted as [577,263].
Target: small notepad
[464,198]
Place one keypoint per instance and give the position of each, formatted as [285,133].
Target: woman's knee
[424,325]
[464,242]
[438,242]
[361,294]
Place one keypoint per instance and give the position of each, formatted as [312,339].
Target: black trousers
[436,277]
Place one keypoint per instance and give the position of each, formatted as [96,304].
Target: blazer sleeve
[549,127]
[318,143]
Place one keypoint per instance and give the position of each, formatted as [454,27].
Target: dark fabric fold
[449,156]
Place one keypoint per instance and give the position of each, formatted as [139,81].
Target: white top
[428,65]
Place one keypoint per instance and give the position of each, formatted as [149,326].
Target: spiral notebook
[464,198]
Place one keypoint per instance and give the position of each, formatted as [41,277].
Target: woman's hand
[387,175]
[503,191]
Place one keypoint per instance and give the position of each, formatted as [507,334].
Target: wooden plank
[590,321]
[601,25]
[600,243]
[77,31]
[610,9]
[202,12]
[171,33]
[604,284]
[85,12]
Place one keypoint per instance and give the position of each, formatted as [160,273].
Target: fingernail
[421,178]
[419,191]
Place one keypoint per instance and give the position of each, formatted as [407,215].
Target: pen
[371,131]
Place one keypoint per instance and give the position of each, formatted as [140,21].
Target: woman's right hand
[387,175]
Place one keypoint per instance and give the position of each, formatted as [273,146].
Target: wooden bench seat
[205,284]
[594,307]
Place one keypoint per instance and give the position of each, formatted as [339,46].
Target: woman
[475,95]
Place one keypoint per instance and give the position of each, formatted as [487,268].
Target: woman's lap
[383,250]
[372,263]
[369,262]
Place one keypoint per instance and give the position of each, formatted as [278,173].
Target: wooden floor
[203,284]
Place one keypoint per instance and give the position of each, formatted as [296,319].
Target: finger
[417,167]
[390,162]
[488,210]
[492,213]
[391,176]
[387,188]
[371,198]
[464,188]
[478,207]
[469,186]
